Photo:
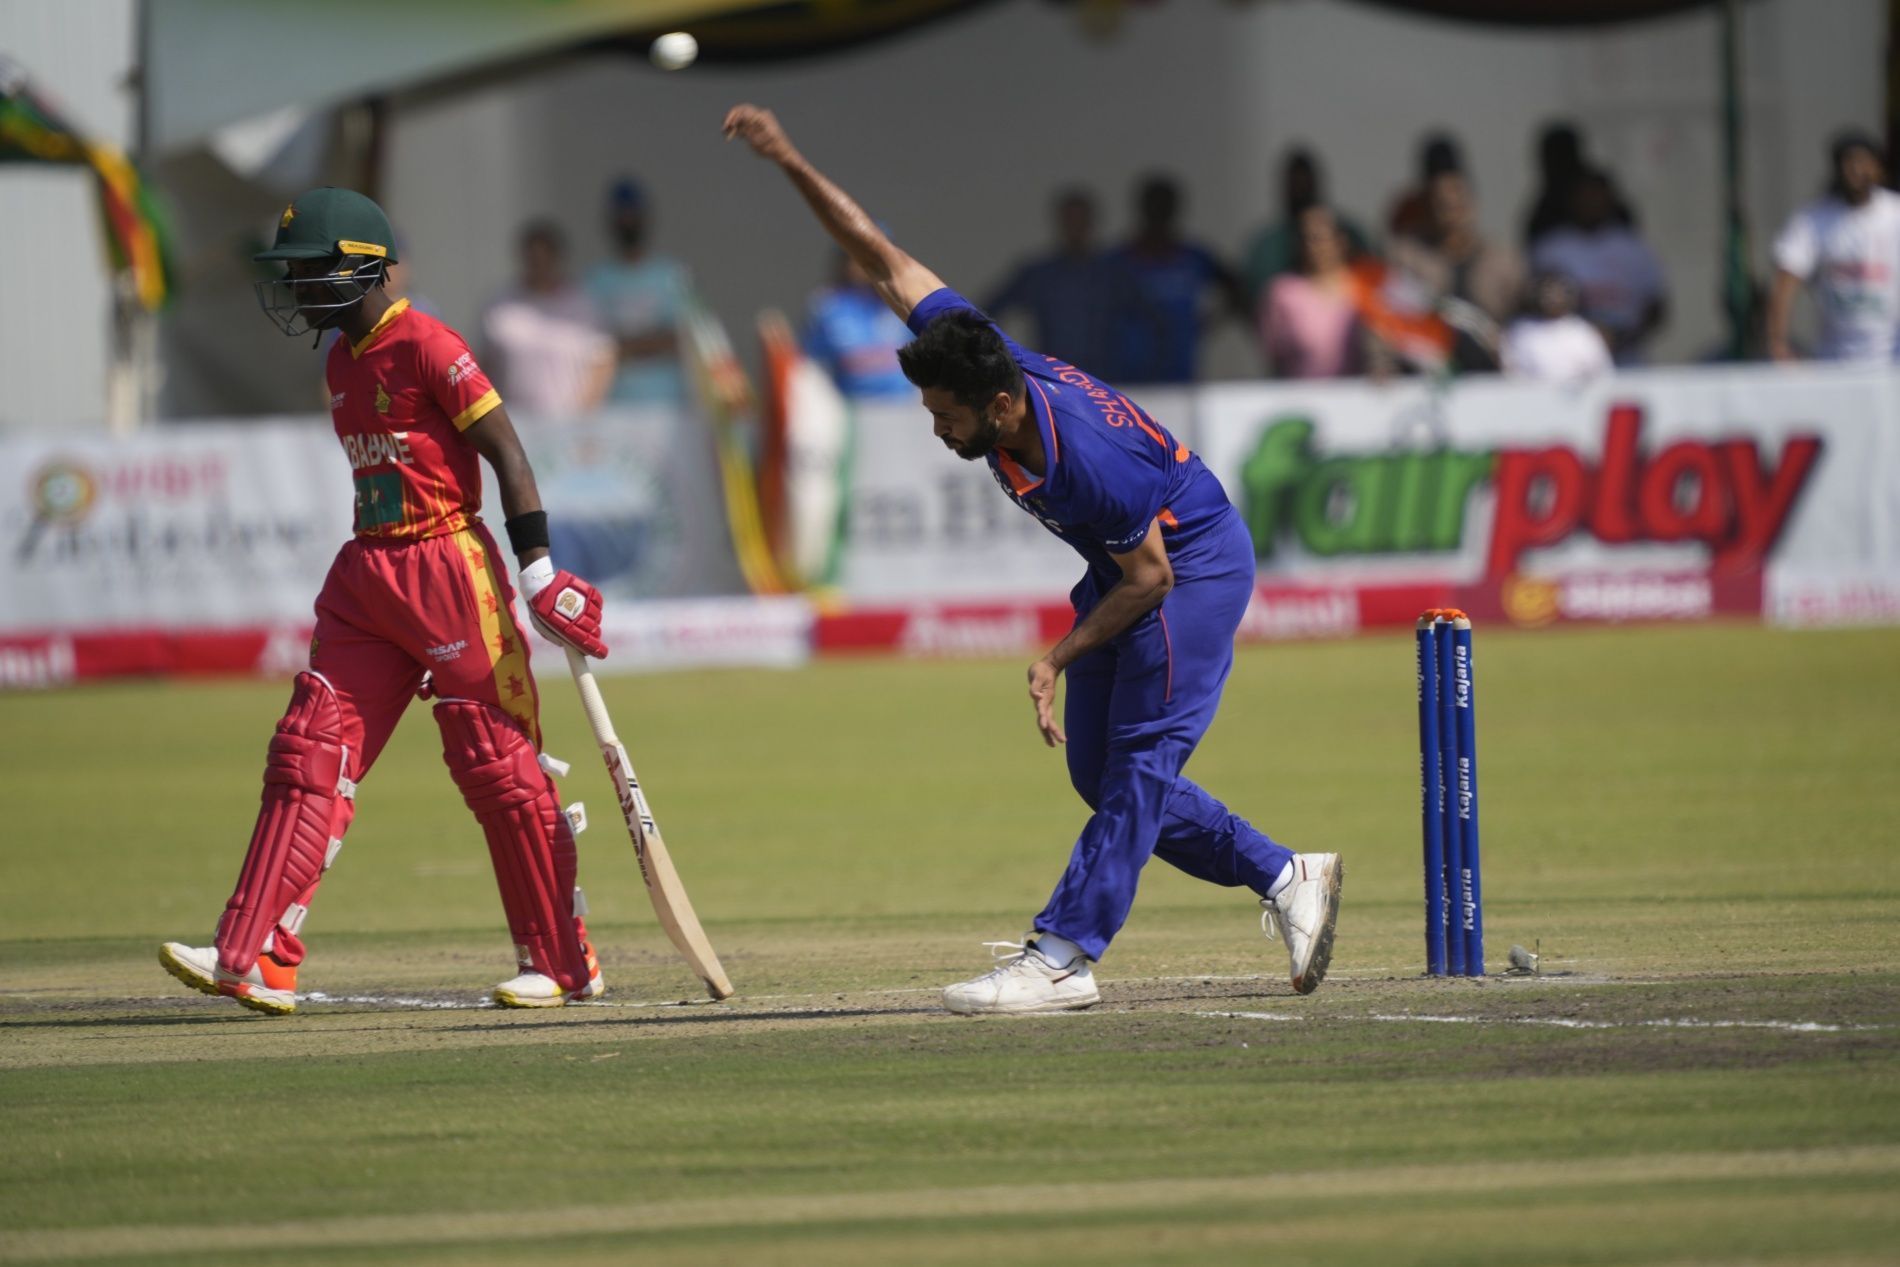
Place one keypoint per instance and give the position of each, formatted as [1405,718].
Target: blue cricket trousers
[1135,709]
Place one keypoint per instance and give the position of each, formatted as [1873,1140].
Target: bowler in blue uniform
[1170,571]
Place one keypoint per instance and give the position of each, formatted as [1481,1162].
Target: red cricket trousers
[390,611]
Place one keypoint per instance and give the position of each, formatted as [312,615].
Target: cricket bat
[656,865]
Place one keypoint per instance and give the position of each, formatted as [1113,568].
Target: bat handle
[591,703]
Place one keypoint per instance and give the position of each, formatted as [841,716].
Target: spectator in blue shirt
[642,298]
[1175,276]
[1078,297]
[852,333]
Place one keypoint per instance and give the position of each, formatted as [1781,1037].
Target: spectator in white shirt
[1549,342]
[1846,249]
[1618,276]
[544,347]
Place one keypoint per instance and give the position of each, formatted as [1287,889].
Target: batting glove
[563,607]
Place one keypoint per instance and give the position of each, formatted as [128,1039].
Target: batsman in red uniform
[417,604]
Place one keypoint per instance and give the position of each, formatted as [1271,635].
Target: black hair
[962,353]
[1560,148]
[1438,153]
[1845,142]
[1849,139]
[1297,160]
[1159,191]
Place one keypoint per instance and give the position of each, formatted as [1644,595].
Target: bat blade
[663,885]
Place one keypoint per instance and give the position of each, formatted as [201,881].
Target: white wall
[55,300]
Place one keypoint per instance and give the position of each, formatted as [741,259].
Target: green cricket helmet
[347,233]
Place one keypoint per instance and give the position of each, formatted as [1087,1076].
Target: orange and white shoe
[535,989]
[269,987]
[596,984]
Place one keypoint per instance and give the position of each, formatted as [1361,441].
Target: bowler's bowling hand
[760,129]
[1042,692]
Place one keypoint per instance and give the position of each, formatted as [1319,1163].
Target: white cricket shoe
[530,989]
[268,987]
[1024,980]
[1305,913]
[534,989]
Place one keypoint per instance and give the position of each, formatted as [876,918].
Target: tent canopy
[210,63]
[205,67]
[1544,12]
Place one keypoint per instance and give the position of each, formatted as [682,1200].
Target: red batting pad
[304,777]
[529,839]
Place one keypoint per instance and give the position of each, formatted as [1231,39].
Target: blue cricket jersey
[1111,471]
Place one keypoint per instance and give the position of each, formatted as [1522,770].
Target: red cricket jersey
[400,400]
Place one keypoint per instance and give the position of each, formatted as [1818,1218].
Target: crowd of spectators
[1577,293]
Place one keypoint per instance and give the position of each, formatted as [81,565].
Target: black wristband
[528,532]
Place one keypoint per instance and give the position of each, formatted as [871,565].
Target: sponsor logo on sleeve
[463,367]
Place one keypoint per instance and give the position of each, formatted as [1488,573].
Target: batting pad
[306,776]
[530,840]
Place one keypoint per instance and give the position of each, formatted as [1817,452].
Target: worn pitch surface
[1695,826]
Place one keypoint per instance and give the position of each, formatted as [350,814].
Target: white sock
[1059,951]
[1280,881]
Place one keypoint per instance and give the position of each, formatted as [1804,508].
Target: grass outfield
[1696,824]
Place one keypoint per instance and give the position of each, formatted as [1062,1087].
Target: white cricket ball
[674,51]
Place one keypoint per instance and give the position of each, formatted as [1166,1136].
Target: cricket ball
[674,51]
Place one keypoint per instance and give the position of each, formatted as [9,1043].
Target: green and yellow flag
[31,131]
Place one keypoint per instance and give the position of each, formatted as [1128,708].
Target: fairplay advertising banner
[1660,495]
[1657,495]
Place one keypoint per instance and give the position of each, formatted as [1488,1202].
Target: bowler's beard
[983,442]
[629,239]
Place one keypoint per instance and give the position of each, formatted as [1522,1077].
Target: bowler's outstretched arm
[900,281]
